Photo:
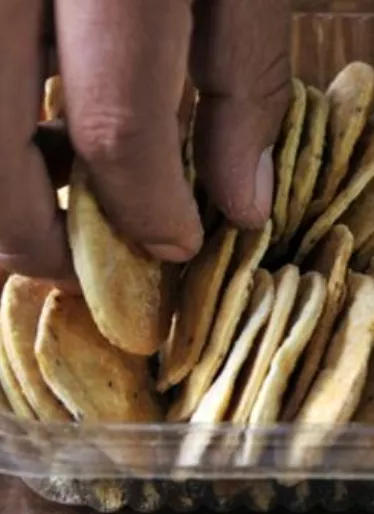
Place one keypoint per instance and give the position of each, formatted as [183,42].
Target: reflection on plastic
[82,452]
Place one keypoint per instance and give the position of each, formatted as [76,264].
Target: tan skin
[123,64]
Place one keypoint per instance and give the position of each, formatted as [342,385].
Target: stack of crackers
[268,326]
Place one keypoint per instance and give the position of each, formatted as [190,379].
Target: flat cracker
[364,413]
[309,160]
[370,268]
[308,309]
[4,403]
[286,286]
[359,181]
[337,390]
[11,387]
[331,258]
[361,259]
[53,103]
[198,300]
[364,416]
[351,95]
[93,379]
[215,402]
[127,291]
[187,122]
[21,305]
[285,156]
[63,197]
[252,248]
[359,217]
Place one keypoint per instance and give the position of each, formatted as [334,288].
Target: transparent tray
[108,467]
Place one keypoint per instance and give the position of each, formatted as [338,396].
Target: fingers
[122,108]
[32,234]
[240,64]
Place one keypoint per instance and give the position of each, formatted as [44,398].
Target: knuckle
[101,137]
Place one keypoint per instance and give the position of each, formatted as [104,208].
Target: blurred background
[327,34]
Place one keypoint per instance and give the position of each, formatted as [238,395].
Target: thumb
[240,64]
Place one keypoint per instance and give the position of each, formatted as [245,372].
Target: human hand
[123,64]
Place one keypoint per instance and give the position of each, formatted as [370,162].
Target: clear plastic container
[107,467]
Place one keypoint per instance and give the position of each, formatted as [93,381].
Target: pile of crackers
[262,327]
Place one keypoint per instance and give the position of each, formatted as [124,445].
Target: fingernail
[264,184]
[172,253]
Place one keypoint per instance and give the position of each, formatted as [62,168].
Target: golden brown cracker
[94,380]
[330,258]
[359,217]
[309,160]
[11,387]
[363,416]
[127,291]
[361,177]
[4,403]
[220,391]
[63,198]
[308,309]
[351,94]
[370,269]
[187,125]
[286,285]
[336,392]
[53,98]
[21,304]
[53,102]
[285,156]
[252,247]
[198,300]
[364,413]
[215,402]
[361,441]
[187,109]
[362,258]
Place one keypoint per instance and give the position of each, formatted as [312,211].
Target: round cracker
[308,309]
[362,176]
[63,197]
[21,305]
[309,160]
[11,387]
[93,379]
[285,157]
[331,258]
[363,256]
[4,403]
[337,390]
[198,300]
[216,400]
[286,286]
[352,95]
[128,292]
[359,217]
[252,248]
[53,102]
